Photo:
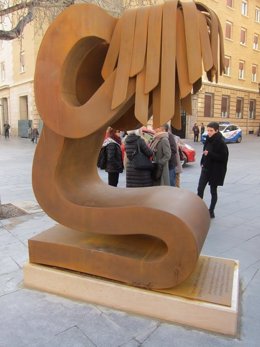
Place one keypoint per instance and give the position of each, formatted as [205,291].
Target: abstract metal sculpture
[95,71]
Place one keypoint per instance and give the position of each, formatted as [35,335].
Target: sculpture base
[182,308]
[150,263]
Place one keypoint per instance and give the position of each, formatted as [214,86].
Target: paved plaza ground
[31,318]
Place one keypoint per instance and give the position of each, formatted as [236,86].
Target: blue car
[230,132]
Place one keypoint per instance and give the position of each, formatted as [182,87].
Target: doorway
[24,107]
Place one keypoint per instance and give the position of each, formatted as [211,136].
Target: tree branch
[30,5]
[17,7]
[35,3]
[16,32]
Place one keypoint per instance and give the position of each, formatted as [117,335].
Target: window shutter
[224,104]
[239,106]
[228,30]
[226,63]
[242,36]
[207,105]
[251,105]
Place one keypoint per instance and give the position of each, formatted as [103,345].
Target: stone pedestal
[207,300]
[162,258]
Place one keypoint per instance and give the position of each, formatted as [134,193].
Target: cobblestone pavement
[30,318]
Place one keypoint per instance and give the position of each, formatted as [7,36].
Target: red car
[188,153]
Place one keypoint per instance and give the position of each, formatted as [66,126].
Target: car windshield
[222,127]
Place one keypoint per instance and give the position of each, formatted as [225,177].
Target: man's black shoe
[212,214]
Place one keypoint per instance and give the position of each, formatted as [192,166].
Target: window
[229,3]
[2,71]
[241,70]
[257,14]
[22,62]
[208,105]
[254,71]
[227,66]
[243,36]
[255,42]
[233,127]
[252,104]
[244,8]
[239,107]
[225,106]
[228,32]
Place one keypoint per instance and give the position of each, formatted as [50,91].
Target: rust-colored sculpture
[93,71]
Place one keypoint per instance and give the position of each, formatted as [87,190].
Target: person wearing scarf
[162,154]
[213,164]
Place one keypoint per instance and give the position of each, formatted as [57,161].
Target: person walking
[196,132]
[34,135]
[134,177]
[114,161]
[213,164]
[162,154]
[7,130]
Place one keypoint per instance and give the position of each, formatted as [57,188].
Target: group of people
[198,131]
[33,133]
[163,150]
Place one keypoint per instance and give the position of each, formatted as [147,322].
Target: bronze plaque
[211,281]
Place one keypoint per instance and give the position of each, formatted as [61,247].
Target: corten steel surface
[95,71]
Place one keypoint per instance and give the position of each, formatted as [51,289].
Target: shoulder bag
[140,161]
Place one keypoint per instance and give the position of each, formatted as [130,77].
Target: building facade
[6,77]
[16,87]
[235,98]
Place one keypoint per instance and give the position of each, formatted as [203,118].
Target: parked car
[230,132]
[188,153]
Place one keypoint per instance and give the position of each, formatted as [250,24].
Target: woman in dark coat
[114,160]
[136,178]
[213,164]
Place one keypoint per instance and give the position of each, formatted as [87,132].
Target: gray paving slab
[31,318]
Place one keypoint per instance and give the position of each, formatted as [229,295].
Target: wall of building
[21,90]
[232,85]
[6,82]
[19,83]
[19,78]
[23,72]
[247,125]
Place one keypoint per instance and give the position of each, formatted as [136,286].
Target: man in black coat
[213,164]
